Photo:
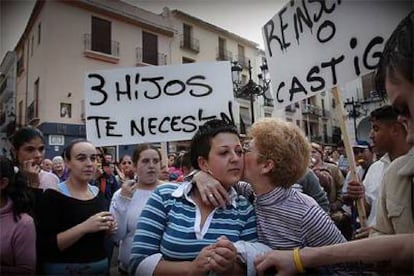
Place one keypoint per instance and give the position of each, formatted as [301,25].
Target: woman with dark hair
[73,221]
[128,202]
[28,149]
[125,168]
[17,235]
[177,233]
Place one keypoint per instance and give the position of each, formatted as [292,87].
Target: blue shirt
[170,225]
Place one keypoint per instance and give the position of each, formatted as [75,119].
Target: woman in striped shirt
[275,157]
[177,233]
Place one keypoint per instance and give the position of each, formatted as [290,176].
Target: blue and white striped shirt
[170,225]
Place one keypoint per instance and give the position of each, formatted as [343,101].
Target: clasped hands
[219,257]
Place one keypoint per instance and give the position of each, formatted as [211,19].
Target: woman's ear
[203,164]
[268,166]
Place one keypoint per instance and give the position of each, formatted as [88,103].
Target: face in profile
[401,94]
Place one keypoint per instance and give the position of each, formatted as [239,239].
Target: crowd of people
[271,202]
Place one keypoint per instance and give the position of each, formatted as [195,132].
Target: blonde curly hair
[285,144]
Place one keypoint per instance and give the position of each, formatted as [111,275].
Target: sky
[242,17]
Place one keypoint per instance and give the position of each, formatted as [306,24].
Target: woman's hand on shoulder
[211,191]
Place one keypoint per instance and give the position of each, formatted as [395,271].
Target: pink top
[17,243]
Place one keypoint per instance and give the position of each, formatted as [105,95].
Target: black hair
[16,189]
[123,157]
[140,148]
[184,160]
[68,149]
[397,54]
[384,113]
[201,141]
[24,135]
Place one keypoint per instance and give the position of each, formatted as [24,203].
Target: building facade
[65,39]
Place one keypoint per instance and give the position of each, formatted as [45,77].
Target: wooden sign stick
[349,153]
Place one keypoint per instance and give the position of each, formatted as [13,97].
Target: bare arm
[396,249]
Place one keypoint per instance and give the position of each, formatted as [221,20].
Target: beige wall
[59,60]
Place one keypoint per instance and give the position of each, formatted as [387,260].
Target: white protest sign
[312,46]
[155,103]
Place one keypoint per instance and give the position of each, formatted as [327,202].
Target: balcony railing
[161,58]
[290,108]
[243,61]
[309,109]
[268,102]
[191,43]
[223,54]
[111,55]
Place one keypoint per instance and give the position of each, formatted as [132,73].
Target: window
[188,60]
[39,33]
[36,98]
[65,110]
[20,63]
[187,30]
[20,114]
[149,48]
[240,57]
[222,47]
[32,45]
[101,35]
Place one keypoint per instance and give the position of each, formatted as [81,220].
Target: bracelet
[298,261]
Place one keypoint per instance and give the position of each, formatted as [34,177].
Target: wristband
[298,261]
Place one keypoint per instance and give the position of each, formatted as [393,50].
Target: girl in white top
[128,202]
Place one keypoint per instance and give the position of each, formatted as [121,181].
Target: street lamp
[250,89]
[353,108]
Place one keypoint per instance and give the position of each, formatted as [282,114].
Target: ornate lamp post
[250,89]
[353,108]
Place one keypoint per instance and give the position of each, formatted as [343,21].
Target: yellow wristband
[298,261]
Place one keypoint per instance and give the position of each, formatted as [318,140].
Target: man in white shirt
[389,140]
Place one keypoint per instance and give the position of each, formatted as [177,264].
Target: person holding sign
[395,77]
[395,213]
[389,140]
[177,233]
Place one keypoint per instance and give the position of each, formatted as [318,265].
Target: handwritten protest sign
[155,103]
[312,46]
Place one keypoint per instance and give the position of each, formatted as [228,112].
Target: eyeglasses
[247,148]
[126,162]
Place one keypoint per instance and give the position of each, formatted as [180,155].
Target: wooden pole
[349,153]
[164,153]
